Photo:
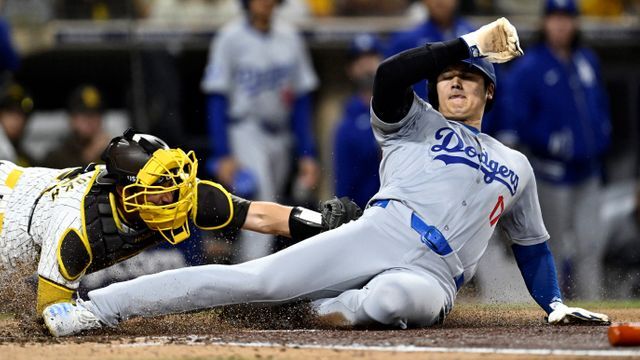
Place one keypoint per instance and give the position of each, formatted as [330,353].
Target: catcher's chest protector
[109,244]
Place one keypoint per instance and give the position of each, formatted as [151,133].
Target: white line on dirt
[203,340]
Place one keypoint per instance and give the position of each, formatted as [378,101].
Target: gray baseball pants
[373,270]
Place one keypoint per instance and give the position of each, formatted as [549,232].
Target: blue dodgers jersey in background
[356,154]
[561,113]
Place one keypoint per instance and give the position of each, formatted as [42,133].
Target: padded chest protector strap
[108,243]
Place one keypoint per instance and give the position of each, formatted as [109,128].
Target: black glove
[336,212]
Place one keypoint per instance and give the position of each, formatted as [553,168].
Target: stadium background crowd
[75,73]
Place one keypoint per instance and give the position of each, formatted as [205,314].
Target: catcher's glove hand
[562,314]
[497,42]
[336,212]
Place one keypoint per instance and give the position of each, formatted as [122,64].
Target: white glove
[562,314]
[497,42]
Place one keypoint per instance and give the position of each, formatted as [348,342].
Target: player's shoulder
[282,26]
[213,208]
[285,31]
[589,54]
[504,149]
[233,28]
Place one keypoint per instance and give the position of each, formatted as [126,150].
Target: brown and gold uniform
[67,220]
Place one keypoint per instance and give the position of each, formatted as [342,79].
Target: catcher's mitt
[336,212]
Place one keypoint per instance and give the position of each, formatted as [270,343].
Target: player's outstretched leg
[399,298]
[322,266]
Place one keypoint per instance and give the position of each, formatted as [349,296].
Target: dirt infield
[471,332]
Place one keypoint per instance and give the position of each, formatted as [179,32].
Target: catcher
[77,221]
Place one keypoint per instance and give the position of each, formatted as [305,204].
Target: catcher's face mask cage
[169,173]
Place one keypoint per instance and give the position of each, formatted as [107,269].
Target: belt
[268,127]
[431,237]
[273,129]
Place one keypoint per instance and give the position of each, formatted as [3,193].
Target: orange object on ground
[625,334]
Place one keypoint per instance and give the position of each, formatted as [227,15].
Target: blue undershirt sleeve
[301,123]
[218,121]
[539,272]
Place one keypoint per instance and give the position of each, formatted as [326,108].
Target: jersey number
[497,211]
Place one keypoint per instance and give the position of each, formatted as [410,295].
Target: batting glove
[562,314]
[497,42]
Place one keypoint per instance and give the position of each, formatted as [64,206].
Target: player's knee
[412,302]
[388,304]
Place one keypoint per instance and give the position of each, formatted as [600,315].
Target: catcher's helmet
[480,64]
[145,166]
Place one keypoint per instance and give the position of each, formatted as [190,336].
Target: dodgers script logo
[451,143]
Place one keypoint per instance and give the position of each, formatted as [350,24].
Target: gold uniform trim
[195,205]
[50,293]
[12,178]
[83,234]
[115,211]
[10,182]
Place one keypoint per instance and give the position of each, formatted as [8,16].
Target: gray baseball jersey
[443,189]
[261,74]
[458,180]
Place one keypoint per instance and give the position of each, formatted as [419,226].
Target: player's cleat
[64,319]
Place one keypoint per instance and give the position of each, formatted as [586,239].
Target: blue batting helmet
[479,64]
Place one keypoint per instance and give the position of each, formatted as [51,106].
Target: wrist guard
[304,223]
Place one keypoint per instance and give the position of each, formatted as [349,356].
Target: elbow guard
[304,223]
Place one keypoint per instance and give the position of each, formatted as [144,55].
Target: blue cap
[365,43]
[568,7]
[485,67]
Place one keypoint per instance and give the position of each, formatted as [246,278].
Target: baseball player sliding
[444,188]
[77,221]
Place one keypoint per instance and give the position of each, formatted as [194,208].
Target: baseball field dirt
[472,331]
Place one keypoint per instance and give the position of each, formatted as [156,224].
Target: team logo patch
[455,151]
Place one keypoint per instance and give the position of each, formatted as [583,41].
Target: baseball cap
[364,43]
[16,99]
[86,99]
[485,67]
[568,7]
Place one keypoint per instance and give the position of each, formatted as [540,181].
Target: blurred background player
[15,108]
[442,24]
[356,152]
[9,58]
[562,119]
[87,139]
[258,83]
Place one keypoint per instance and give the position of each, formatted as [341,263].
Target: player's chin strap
[175,236]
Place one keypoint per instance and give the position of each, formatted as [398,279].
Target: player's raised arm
[392,93]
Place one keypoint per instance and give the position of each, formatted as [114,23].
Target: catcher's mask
[160,172]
